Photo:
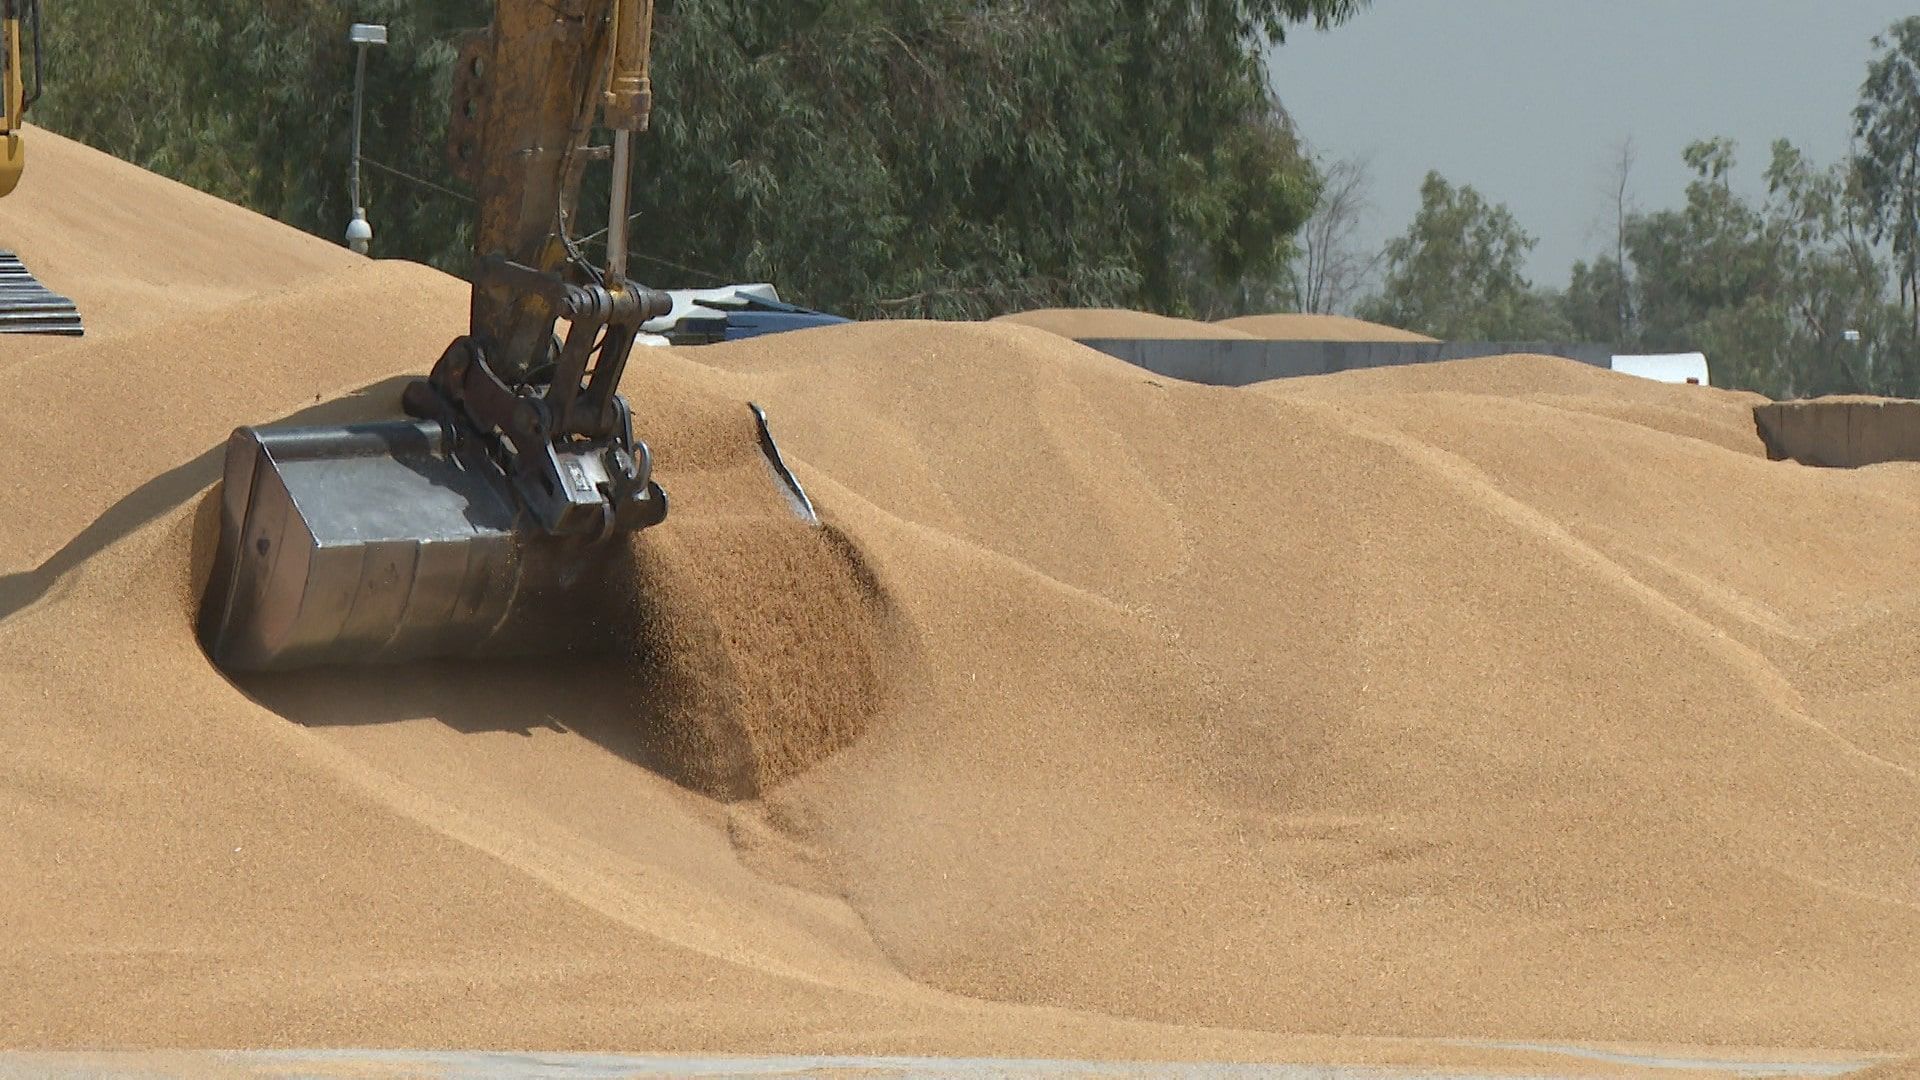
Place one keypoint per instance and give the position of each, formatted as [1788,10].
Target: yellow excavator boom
[13,88]
[26,306]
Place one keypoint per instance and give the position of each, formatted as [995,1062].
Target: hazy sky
[1529,100]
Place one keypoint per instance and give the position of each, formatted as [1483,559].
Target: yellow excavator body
[26,306]
[13,101]
[13,162]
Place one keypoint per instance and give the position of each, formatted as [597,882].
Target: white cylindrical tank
[1666,367]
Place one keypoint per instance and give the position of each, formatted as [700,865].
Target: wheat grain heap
[1112,715]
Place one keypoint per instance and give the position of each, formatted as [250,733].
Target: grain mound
[761,646]
[1506,698]
[1117,323]
[1300,327]
[97,239]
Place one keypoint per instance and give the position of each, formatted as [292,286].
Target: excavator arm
[474,528]
[527,92]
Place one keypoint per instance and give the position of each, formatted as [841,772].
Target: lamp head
[359,232]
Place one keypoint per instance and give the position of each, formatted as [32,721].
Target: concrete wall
[1840,433]
[1239,362]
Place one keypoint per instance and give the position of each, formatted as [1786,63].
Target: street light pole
[362,35]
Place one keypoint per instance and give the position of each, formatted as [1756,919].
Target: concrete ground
[1582,1062]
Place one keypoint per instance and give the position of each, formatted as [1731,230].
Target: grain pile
[1118,323]
[1116,716]
[1301,327]
[761,646]
[175,250]
[1080,323]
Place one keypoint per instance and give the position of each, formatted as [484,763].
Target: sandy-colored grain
[1117,323]
[174,250]
[1903,1069]
[1111,716]
[1304,327]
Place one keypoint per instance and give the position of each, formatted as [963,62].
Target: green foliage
[1835,282]
[1597,305]
[251,101]
[102,79]
[1709,277]
[878,157]
[956,159]
[1768,291]
[1456,273]
[1887,129]
[1794,294]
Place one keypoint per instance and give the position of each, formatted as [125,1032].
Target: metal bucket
[372,543]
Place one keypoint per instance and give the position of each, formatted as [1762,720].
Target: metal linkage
[561,433]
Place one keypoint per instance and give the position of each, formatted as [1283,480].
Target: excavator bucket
[384,542]
[378,543]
